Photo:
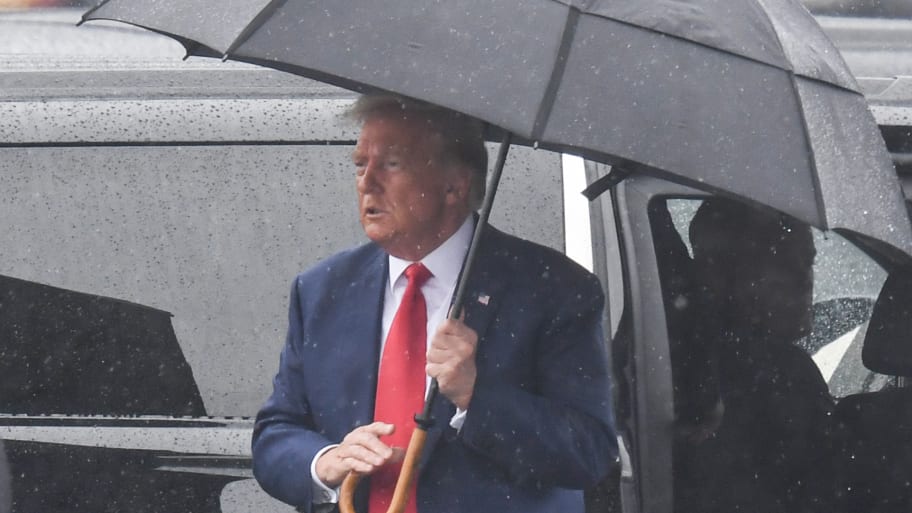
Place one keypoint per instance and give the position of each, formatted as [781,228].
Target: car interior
[776,418]
[874,457]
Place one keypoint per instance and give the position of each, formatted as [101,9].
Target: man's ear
[459,183]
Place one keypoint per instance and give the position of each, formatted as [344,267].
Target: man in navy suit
[524,420]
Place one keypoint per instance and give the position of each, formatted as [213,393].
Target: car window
[208,236]
[766,319]
[846,284]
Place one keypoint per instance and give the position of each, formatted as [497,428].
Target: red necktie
[401,383]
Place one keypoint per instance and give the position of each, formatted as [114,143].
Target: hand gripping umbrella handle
[423,419]
[403,485]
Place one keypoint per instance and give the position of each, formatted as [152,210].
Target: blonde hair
[461,136]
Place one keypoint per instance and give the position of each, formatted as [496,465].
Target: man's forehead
[391,144]
[395,133]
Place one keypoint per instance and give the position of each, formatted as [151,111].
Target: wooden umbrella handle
[347,492]
[403,485]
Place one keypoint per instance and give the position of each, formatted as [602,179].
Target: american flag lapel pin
[483,299]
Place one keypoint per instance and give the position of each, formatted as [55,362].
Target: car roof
[860,8]
[877,50]
[44,55]
[54,70]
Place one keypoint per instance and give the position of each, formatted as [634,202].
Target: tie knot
[417,274]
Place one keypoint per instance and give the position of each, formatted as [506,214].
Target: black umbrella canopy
[747,97]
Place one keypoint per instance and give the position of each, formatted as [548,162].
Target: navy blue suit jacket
[539,426]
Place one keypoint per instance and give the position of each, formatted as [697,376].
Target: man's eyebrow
[395,150]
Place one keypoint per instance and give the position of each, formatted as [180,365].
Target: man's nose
[367,178]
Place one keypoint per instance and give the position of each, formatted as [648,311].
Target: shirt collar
[445,262]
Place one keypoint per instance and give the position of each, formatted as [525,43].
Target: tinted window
[759,360]
[211,235]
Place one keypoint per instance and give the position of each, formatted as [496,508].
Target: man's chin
[378,233]
[378,236]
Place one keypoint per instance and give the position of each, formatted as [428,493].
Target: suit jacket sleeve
[284,441]
[558,430]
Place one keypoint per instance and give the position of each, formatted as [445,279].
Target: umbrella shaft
[483,215]
[424,419]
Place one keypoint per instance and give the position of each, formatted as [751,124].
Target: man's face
[762,289]
[409,202]
[776,295]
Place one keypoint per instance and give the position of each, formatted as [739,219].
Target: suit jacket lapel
[485,287]
[362,331]
[483,294]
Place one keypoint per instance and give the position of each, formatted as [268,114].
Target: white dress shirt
[445,263]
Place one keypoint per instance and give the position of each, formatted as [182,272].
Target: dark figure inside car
[763,445]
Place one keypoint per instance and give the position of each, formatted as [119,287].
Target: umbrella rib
[252,27]
[557,73]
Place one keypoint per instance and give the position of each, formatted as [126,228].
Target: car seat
[876,456]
